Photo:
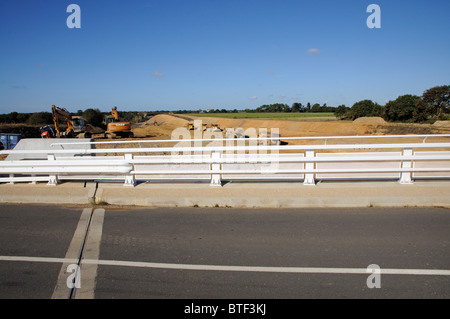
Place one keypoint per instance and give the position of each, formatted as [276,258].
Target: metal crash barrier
[348,158]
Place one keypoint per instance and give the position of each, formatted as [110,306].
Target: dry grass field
[291,127]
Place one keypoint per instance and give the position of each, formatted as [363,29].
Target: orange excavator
[76,125]
[116,127]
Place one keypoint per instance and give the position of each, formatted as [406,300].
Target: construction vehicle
[269,142]
[116,127]
[213,128]
[194,127]
[47,132]
[76,125]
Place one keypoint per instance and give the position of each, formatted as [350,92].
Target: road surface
[221,253]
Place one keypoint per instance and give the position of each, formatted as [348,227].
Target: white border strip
[293,270]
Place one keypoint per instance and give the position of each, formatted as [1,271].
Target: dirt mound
[297,128]
[442,123]
[94,129]
[370,120]
[160,127]
[365,126]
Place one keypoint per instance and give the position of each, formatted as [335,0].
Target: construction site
[163,126]
[298,127]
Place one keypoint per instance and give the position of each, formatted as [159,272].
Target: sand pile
[165,124]
[298,128]
[287,128]
[370,120]
[442,123]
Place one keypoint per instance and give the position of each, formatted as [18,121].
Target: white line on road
[295,270]
[92,251]
[61,290]
[39,259]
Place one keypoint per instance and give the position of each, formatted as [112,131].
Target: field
[263,115]
[288,127]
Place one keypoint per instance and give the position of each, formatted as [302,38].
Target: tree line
[431,106]
[92,116]
[296,107]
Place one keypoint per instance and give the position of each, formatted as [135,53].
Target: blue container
[10,140]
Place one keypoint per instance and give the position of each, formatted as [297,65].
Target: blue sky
[154,55]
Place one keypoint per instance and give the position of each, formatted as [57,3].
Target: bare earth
[291,128]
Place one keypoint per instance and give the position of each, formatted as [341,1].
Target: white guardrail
[249,159]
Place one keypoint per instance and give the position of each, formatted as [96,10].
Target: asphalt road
[226,253]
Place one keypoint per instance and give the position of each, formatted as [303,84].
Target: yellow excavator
[76,125]
[193,127]
[116,127]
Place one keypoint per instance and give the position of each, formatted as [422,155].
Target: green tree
[341,111]
[298,107]
[23,117]
[401,109]
[437,100]
[421,111]
[315,108]
[365,108]
[93,117]
[40,118]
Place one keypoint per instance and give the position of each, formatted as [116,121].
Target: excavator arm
[115,114]
[57,111]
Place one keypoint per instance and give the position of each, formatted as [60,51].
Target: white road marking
[92,251]
[39,259]
[61,290]
[294,270]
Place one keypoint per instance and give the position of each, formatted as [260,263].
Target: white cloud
[158,74]
[253,98]
[313,51]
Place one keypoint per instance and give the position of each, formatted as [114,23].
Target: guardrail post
[53,181]
[309,177]
[215,178]
[405,177]
[130,180]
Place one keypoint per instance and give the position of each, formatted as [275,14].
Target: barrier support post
[130,180]
[53,179]
[215,178]
[309,177]
[405,177]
